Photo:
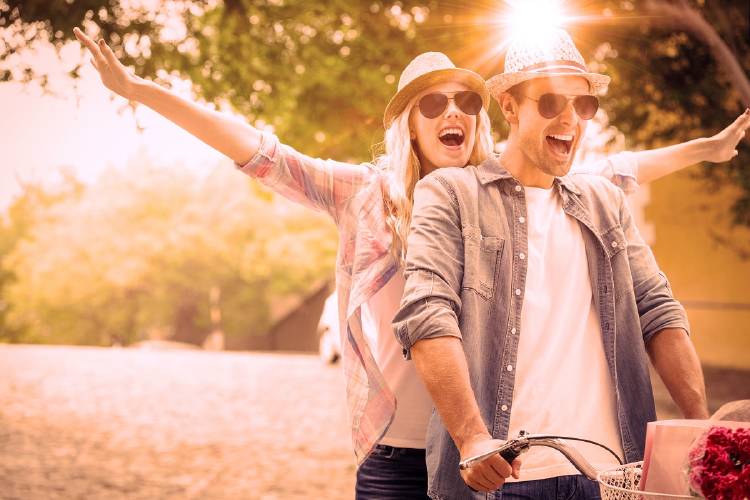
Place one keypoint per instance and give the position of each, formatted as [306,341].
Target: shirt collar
[492,170]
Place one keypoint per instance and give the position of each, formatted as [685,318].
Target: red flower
[720,464]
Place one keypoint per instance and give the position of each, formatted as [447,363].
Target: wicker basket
[621,483]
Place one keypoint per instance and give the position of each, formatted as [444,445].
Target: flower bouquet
[718,465]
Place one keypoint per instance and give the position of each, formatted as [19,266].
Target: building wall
[712,279]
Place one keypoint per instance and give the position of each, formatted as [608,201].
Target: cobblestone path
[93,423]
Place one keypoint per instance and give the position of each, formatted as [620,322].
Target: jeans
[556,488]
[393,474]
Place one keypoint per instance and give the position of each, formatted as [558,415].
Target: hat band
[555,66]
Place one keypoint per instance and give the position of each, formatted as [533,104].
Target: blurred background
[162,326]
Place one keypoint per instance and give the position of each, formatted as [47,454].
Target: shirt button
[504,407]
[510,368]
[522,219]
[518,291]
[521,255]
[513,331]
[518,189]
[614,244]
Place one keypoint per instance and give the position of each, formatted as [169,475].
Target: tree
[322,73]
[677,74]
[142,248]
[16,225]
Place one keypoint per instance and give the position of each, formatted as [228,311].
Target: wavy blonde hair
[402,169]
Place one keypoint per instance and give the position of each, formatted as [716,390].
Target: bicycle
[618,483]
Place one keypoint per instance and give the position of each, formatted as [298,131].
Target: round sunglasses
[433,105]
[551,105]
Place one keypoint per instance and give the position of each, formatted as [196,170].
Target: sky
[84,130]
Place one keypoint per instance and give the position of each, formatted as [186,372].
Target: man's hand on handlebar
[489,474]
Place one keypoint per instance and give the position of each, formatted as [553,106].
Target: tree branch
[684,17]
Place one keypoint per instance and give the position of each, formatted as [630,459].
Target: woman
[438,118]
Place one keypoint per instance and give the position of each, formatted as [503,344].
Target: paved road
[91,423]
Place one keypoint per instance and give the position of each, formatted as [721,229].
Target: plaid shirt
[353,196]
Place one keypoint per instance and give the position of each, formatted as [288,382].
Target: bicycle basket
[621,483]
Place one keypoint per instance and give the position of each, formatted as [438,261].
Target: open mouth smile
[560,143]
[451,136]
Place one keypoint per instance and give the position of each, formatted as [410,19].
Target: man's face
[550,144]
[446,140]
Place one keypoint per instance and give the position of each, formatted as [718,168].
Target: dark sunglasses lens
[469,102]
[551,105]
[586,106]
[432,105]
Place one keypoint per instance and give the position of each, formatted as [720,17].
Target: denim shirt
[464,279]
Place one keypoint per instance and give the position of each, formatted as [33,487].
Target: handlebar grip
[510,454]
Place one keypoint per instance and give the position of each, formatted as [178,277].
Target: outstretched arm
[320,184]
[235,139]
[654,164]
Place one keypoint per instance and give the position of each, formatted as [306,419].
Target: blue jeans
[393,474]
[556,488]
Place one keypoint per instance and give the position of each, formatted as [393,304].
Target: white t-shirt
[562,383]
[413,402]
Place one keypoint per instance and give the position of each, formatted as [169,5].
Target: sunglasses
[551,105]
[433,105]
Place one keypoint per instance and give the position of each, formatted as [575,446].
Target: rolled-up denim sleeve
[621,169]
[657,307]
[431,302]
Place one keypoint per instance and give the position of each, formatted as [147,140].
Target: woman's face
[446,140]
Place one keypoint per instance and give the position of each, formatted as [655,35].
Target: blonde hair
[401,167]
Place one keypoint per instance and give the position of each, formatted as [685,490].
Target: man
[531,300]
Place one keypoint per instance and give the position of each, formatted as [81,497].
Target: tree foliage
[139,251]
[321,73]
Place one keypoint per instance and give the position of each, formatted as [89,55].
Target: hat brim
[499,84]
[399,101]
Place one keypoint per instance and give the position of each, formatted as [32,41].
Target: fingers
[476,480]
[516,467]
[488,475]
[746,116]
[742,122]
[101,62]
[108,53]
[499,465]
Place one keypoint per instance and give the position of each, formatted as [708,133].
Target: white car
[329,345]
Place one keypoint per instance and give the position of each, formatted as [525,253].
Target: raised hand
[723,145]
[114,75]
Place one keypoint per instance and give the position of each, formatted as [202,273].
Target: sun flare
[533,20]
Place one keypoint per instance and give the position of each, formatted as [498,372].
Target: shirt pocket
[615,246]
[614,241]
[481,262]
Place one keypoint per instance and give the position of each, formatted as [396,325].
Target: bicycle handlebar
[511,449]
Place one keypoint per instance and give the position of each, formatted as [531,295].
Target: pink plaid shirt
[353,196]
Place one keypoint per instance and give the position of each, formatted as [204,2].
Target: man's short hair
[517,91]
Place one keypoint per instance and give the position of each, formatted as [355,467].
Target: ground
[91,423]
[96,423]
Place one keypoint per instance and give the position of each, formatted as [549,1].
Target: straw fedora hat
[426,70]
[554,55]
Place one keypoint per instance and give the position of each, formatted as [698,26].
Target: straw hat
[426,70]
[555,55]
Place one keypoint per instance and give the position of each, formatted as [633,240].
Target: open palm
[724,143]
[113,74]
